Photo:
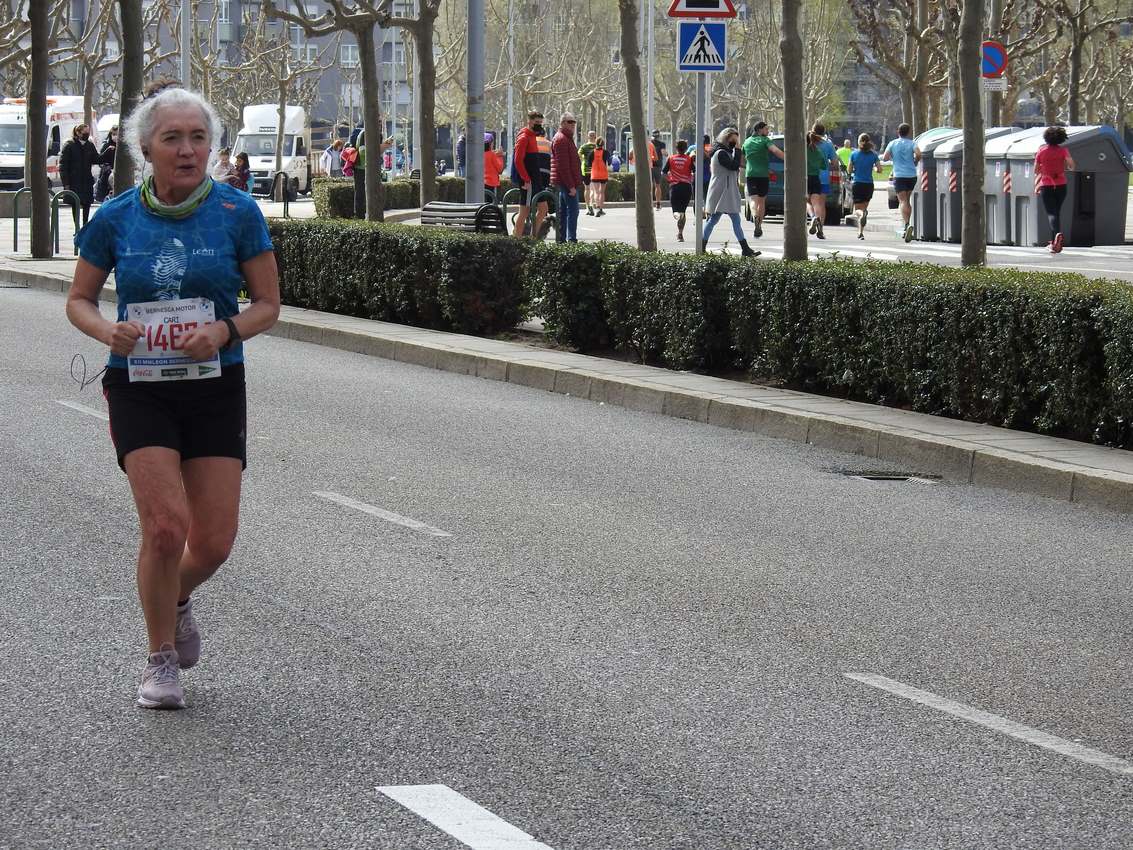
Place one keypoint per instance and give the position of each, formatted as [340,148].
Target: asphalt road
[636,634]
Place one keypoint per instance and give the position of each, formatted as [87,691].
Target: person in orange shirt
[493,166]
[599,174]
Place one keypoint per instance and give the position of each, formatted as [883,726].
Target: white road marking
[464,820]
[999,724]
[89,411]
[388,516]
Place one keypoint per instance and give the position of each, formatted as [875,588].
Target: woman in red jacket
[1051,164]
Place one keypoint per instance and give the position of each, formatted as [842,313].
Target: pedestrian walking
[724,187]
[528,173]
[757,173]
[76,167]
[104,185]
[1051,164]
[863,163]
[181,247]
[905,155]
[585,154]
[566,176]
[493,167]
[243,178]
[816,162]
[680,169]
[357,146]
[331,159]
[223,171]
[601,163]
[461,154]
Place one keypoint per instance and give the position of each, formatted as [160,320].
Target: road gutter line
[82,408]
[998,724]
[461,818]
[388,516]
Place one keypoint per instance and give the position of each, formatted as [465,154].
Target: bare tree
[34,173]
[794,132]
[133,68]
[357,17]
[973,238]
[643,181]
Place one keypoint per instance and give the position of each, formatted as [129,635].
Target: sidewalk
[891,439]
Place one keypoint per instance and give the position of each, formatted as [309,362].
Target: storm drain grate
[888,475]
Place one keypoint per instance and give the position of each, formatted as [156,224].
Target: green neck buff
[182,210]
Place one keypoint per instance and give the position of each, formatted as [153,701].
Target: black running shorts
[203,418]
[814,185]
[863,193]
[680,194]
[525,196]
[758,186]
[904,184]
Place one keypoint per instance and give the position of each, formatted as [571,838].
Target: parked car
[839,198]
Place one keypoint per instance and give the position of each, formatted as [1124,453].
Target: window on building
[348,55]
[224,11]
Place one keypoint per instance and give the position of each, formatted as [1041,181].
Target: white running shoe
[160,687]
[187,636]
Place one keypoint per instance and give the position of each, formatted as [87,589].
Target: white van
[64,113]
[257,139]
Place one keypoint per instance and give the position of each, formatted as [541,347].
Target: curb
[956,451]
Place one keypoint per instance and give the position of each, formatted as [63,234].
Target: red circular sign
[993,59]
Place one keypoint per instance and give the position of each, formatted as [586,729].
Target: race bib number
[158,354]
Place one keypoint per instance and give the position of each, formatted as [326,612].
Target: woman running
[679,168]
[599,175]
[1051,164]
[181,247]
[816,163]
[724,187]
[863,162]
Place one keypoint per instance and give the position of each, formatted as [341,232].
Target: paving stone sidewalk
[888,439]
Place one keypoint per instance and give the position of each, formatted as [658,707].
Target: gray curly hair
[138,129]
[722,136]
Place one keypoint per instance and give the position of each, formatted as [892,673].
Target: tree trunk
[643,182]
[906,103]
[924,57]
[133,70]
[372,121]
[35,175]
[89,79]
[426,120]
[973,238]
[794,134]
[1075,87]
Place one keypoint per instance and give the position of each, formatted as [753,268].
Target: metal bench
[478,218]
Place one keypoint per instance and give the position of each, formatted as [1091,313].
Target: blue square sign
[701,46]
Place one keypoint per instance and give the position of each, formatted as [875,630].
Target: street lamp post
[649,126]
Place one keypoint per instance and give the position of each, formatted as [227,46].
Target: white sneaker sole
[167,704]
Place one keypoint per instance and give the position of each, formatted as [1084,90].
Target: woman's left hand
[204,343]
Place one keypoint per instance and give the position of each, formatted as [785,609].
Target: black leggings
[1053,196]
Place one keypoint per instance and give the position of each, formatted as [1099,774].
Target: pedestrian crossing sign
[701,46]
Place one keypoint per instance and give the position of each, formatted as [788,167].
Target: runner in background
[844,153]
[757,171]
[905,155]
[863,163]
[816,161]
[1051,164]
[680,168]
[585,154]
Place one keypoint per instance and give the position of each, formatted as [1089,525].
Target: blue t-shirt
[862,164]
[163,259]
[828,153]
[901,150]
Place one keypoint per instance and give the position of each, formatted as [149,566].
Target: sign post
[993,65]
[701,49]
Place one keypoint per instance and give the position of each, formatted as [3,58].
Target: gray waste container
[999,185]
[1097,191]
[949,158]
[924,198]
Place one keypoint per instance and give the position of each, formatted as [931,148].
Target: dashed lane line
[89,411]
[388,516]
[1007,727]
[461,818]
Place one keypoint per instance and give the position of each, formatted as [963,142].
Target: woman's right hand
[122,337]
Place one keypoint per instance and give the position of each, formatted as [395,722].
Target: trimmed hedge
[423,276]
[334,196]
[1051,353]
